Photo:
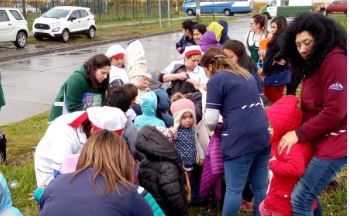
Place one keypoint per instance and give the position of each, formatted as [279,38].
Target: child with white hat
[117,75]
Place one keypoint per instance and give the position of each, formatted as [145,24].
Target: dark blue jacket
[64,196]
[245,127]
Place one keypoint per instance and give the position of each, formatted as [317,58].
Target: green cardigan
[74,88]
[2,98]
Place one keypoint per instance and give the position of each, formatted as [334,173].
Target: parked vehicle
[228,7]
[13,27]
[337,6]
[60,22]
[286,8]
[28,8]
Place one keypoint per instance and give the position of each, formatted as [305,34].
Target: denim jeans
[317,176]
[253,165]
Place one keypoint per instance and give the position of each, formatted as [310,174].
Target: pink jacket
[213,167]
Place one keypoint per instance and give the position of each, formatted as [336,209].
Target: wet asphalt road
[30,85]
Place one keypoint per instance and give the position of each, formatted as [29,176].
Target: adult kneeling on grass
[68,134]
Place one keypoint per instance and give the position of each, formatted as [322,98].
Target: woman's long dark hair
[200,27]
[327,34]
[92,65]
[239,49]
[281,24]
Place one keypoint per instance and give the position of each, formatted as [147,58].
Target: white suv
[13,27]
[62,21]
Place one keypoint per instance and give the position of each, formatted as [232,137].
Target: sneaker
[246,206]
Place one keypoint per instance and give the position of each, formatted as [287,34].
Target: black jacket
[274,52]
[161,171]
[196,98]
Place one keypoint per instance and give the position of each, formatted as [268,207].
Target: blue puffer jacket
[164,106]
[149,104]
[6,207]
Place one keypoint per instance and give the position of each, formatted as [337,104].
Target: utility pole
[197,10]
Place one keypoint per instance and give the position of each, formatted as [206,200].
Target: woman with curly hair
[317,48]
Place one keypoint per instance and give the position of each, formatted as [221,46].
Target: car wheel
[65,35]
[21,39]
[227,12]
[190,12]
[267,15]
[91,33]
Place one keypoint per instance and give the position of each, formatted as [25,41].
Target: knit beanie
[284,116]
[115,51]
[179,107]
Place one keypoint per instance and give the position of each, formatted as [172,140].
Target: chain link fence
[105,11]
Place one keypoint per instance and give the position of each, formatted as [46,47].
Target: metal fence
[104,10]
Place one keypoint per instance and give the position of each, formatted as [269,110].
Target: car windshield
[56,13]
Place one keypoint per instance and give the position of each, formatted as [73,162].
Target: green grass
[340,18]
[23,136]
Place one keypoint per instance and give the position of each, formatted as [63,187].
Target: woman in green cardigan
[84,88]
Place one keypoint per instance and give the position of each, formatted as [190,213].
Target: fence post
[133,9]
[24,9]
[117,9]
[160,13]
[169,13]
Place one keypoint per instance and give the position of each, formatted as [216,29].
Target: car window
[3,16]
[75,14]
[16,14]
[83,13]
[56,13]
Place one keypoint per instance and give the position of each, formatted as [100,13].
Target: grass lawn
[23,136]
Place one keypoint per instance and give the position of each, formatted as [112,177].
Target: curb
[79,46]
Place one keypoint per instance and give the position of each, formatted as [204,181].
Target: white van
[286,8]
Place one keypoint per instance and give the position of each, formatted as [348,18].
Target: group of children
[162,134]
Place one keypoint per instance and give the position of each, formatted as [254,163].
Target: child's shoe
[246,206]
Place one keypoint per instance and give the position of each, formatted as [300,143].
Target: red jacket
[324,105]
[284,116]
